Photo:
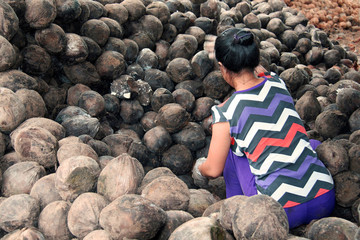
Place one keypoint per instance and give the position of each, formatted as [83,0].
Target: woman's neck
[244,80]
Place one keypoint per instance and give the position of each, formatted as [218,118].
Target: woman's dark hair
[237,49]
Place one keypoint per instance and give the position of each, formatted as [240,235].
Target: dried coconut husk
[200,228]
[18,211]
[44,190]
[10,20]
[33,102]
[110,65]
[200,200]
[82,73]
[75,176]
[55,213]
[52,126]
[178,158]
[83,215]
[157,139]
[75,149]
[174,219]
[158,79]
[122,175]
[132,216]
[20,178]
[173,117]
[36,144]
[167,192]
[76,49]
[97,30]
[118,12]
[16,79]
[40,13]
[9,55]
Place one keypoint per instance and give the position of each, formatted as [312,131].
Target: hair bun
[243,38]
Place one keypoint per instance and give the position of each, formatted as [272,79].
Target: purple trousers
[240,181]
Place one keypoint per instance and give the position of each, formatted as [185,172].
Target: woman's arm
[218,151]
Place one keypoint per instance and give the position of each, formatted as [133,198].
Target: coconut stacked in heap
[105,106]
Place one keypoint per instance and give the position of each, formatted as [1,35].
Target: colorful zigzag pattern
[266,128]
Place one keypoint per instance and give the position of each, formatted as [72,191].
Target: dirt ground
[339,18]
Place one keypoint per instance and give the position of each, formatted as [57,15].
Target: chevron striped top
[265,127]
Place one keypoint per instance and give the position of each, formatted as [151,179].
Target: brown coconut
[44,190]
[201,64]
[153,174]
[347,188]
[83,215]
[178,159]
[228,209]
[8,160]
[76,50]
[331,123]
[98,235]
[173,117]
[202,108]
[94,50]
[40,13]
[20,178]
[110,65]
[185,98]
[75,176]
[52,38]
[192,136]
[12,110]
[332,228]
[80,124]
[131,111]
[10,20]
[55,213]
[75,149]
[157,139]
[334,156]
[35,144]
[200,228]
[9,55]
[18,211]
[122,175]
[36,60]
[174,218]
[200,200]
[24,233]
[33,102]
[97,30]
[179,69]
[52,126]
[215,85]
[264,211]
[82,73]
[167,192]
[132,216]
[92,102]
[16,79]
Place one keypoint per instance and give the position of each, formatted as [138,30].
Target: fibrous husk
[44,190]
[132,216]
[173,117]
[12,110]
[83,216]
[167,192]
[178,159]
[10,21]
[75,149]
[332,228]
[24,234]
[16,79]
[8,52]
[36,144]
[200,200]
[122,175]
[52,38]
[20,178]
[75,176]
[174,218]
[347,188]
[33,102]
[200,228]
[55,213]
[334,156]
[18,211]
[98,235]
[260,217]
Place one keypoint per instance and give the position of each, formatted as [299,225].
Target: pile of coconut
[105,107]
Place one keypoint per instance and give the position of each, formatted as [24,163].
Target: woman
[259,142]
